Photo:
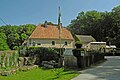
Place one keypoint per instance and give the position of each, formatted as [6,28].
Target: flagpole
[59,22]
[59,27]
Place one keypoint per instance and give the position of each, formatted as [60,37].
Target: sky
[18,12]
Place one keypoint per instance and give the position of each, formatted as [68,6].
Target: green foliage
[103,26]
[43,54]
[84,22]
[78,44]
[23,36]
[58,72]
[77,52]
[3,44]
[14,36]
[49,23]
[15,47]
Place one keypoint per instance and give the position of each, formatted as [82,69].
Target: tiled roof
[50,32]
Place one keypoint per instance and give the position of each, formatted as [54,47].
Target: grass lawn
[42,74]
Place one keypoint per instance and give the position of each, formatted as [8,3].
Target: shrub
[43,54]
[77,52]
[78,44]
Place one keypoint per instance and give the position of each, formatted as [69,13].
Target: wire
[3,21]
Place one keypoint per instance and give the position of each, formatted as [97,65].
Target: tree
[15,35]
[116,27]
[86,23]
[3,44]
[103,26]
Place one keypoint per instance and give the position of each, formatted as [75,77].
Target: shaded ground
[109,70]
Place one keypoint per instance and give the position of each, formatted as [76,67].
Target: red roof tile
[50,32]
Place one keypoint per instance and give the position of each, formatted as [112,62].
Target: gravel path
[109,70]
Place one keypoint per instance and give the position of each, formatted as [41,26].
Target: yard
[42,74]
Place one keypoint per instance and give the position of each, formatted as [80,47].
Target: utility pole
[3,21]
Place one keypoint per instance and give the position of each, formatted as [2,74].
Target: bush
[43,54]
[77,52]
[78,44]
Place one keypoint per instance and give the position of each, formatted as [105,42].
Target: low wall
[86,59]
[69,59]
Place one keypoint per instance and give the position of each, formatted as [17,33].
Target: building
[110,49]
[48,36]
[90,44]
[85,39]
[97,46]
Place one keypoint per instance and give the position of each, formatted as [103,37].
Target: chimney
[45,24]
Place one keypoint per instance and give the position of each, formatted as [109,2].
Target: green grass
[42,74]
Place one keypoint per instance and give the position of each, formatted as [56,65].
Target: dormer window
[53,42]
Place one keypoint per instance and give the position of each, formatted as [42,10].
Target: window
[66,43]
[30,41]
[38,43]
[53,42]
[34,43]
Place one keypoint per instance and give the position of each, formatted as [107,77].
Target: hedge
[43,54]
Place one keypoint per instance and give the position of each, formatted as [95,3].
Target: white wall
[48,43]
